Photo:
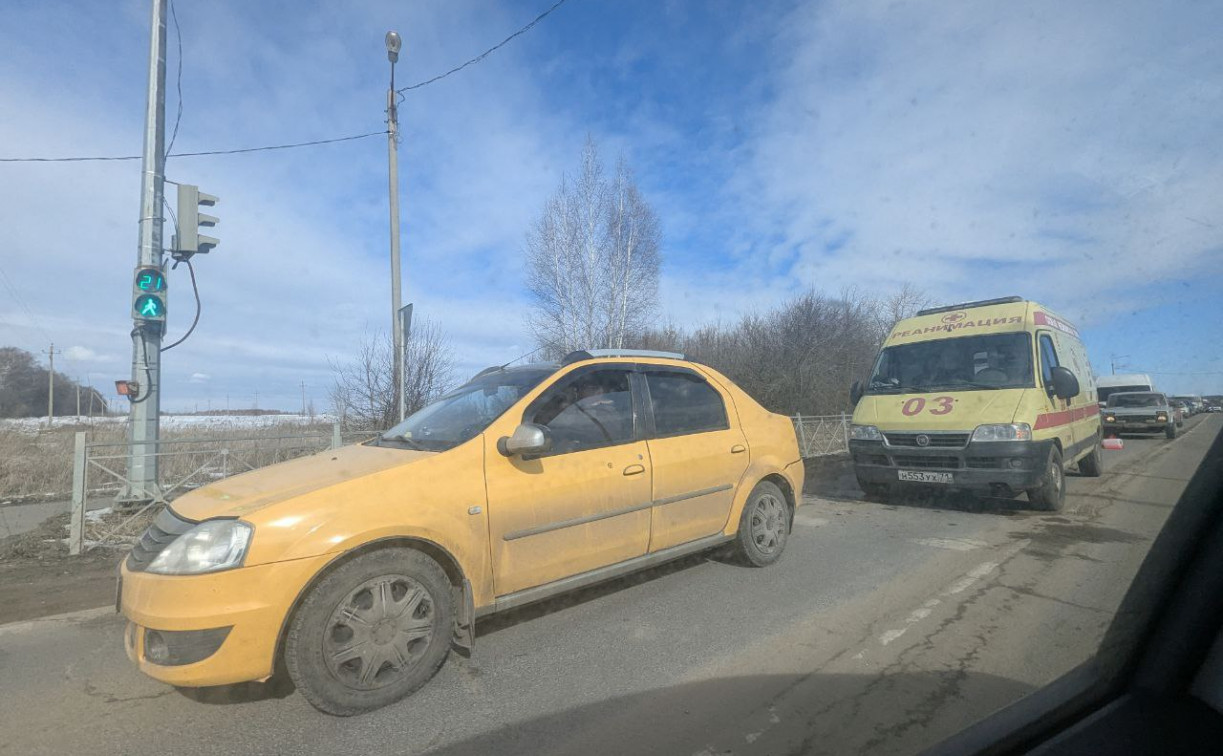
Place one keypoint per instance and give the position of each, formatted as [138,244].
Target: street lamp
[393,44]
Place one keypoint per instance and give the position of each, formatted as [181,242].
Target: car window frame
[565,380]
[1041,338]
[648,402]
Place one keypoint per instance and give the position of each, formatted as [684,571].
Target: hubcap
[1055,473]
[768,524]
[378,632]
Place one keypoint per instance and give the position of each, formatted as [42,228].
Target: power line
[178,84]
[487,52]
[197,154]
[8,284]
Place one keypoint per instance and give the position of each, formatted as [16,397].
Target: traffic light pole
[141,484]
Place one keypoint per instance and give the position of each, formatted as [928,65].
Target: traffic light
[149,295]
[189,240]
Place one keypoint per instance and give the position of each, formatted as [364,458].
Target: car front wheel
[764,526]
[371,632]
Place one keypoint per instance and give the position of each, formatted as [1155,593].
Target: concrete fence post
[802,434]
[336,440]
[76,533]
[845,429]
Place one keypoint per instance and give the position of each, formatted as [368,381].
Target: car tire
[764,526]
[1092,466]
[390,611]
[1050,495]
[1170,432]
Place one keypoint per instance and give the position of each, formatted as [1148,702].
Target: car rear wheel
[1050,495]
[764,526]
[371,632]
[1092,466]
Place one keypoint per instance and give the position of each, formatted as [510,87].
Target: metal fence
[822,435]
[98,473]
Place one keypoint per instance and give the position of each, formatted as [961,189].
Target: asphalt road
[884,629]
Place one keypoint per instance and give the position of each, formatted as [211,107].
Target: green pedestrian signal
[150,307]
[149,294]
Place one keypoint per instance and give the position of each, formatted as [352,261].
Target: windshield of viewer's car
[970,362]
[464,412]
[1137,400]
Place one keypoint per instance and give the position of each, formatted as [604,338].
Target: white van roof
[1125,379]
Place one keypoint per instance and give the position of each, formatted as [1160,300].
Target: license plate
[913,476]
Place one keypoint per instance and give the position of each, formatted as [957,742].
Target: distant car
[1216,408]
[1139,412]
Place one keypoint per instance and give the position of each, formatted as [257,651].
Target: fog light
[1017,463]
[172,648]
[155,648]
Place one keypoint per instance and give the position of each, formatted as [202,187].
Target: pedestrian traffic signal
[189,240]
[149,294]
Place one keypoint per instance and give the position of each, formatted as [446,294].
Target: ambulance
[995,396]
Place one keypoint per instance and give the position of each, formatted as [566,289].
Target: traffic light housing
[189,240]
[149,295]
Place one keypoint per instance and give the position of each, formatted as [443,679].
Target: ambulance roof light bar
[968,305]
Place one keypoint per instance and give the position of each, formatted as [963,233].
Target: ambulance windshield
[968,362]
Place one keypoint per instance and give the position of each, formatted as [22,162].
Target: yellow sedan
[361,568]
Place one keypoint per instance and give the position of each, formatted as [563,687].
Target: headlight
[1110,418]
[1162,417]
[865,433]
[208,547]
[1010,432]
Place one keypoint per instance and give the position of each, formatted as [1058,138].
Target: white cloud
[200,378]
[85,354]
[1054,150]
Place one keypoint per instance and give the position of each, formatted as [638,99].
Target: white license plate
[914,476]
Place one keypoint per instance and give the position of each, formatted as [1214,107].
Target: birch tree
[593,260]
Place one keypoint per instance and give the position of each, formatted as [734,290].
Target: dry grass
[37,463]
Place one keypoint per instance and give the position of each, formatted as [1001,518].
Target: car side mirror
[528,438]
[855,393]
[1065,384]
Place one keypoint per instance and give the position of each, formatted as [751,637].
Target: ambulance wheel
[1092,466]
[1050,495]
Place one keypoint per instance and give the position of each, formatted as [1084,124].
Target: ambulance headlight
[1008,432]
[865,433]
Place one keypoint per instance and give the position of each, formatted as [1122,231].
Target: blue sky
[1066,154]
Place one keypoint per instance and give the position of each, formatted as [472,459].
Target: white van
[1111,384]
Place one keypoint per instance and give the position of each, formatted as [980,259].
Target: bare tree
[592,260]
[801,356]
[363,394]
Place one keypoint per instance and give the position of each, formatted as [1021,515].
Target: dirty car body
[360,567]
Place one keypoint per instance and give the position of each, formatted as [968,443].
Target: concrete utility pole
[393,43]
[141,484]
[303,398]
[51,384]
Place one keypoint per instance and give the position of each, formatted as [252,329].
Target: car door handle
[634,469]
[738,449]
